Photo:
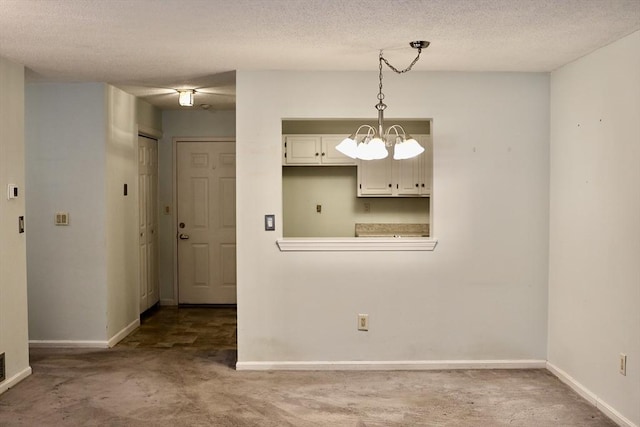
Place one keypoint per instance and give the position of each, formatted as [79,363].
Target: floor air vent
[2,373]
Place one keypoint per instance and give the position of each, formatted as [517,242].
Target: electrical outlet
[367,207]
[623,364]
[319,208]
[61,218]
[363,322]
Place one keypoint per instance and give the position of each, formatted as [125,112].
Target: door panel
[206,191]
[200,202]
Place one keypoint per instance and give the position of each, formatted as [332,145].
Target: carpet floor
[144,385]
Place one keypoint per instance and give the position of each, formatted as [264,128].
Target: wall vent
[2,371]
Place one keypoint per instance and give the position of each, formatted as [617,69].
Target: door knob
[184,236]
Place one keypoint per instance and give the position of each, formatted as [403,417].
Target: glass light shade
[348,147]
[377,149]
[407,149]
[363,151]
[185,98]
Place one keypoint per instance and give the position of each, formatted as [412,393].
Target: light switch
[269,222]
[12,191]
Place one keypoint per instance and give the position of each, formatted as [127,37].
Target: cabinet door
[375,177]
[409,176]
[302,150]
[331,156]
[426,177]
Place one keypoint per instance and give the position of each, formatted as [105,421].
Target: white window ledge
[316,244]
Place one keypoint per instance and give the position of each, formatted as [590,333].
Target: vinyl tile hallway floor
[193,327]
[169,380]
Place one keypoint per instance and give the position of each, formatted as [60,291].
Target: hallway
[204,328]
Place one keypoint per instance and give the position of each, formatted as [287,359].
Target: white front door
[206,195]
[148,224]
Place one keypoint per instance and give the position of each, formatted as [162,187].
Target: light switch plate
[269,222]
[12,191]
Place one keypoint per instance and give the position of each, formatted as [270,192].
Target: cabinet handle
[389,185]
[317,154]
[423,185]
[323,154]
[417,185]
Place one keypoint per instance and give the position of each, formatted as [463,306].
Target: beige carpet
[181,386]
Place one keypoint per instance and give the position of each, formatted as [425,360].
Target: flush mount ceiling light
[185,97]
[368,143]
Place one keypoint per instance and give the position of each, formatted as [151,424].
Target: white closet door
[148,214]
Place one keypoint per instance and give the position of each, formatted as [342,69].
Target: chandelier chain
[382,58]
[380,94]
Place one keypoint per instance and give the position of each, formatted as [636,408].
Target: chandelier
[368,143]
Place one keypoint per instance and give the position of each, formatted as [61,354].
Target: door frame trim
[174,200]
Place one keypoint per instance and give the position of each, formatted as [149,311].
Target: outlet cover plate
[363,322]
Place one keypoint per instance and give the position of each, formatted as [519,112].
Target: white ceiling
[151,47]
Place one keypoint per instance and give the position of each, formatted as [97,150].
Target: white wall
[594,271]
[180,123]
[81,150]
[13,270]
[482,294]
[65,154]
[122,255]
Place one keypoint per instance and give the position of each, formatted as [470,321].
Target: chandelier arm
[394,128]
[370,132]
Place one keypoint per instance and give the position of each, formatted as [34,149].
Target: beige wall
[13,270]
[334,188]
[149,118]
[121,229]
[594,271]
[482,294]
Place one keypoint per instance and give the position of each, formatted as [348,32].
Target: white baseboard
[592,398]
[123,333]
[393,365]
[168,302]
[86,343]
[10,382]
[67,344]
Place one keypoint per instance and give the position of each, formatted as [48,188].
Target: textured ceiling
[150,47]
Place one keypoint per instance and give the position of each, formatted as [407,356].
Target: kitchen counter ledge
[336,244]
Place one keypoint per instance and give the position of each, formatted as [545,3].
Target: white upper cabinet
[315,150]
[388,177]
